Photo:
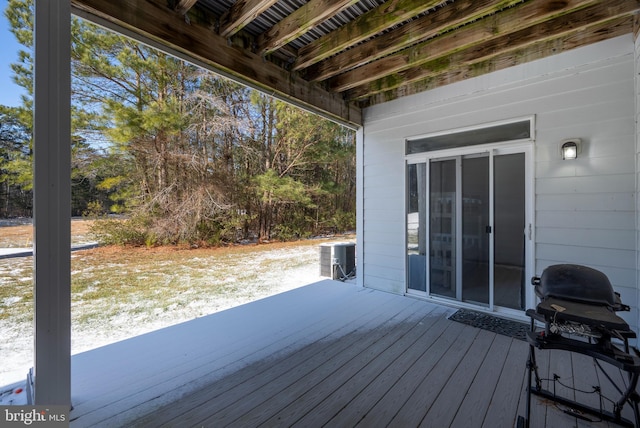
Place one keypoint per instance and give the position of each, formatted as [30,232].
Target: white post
[52,202]
[636,62]
[360,206]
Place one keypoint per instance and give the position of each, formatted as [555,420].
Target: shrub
[95,209]
[122,232]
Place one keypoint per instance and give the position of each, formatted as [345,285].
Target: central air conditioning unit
[338,260]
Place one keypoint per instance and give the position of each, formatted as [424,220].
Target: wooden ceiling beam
[541,49]
[156,24]
[560,19]
[366,25]
[416,31]
[183,6]
[299,22]
[241,14]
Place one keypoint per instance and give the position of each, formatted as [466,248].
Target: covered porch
[328,353]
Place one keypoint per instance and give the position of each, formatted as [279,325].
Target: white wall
[585,209]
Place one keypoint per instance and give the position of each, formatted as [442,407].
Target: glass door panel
[509,234]
[475,229]
[442,228]
[466,218]
[416,227]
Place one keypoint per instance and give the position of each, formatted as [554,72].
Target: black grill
[577,310]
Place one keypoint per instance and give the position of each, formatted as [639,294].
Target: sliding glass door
[511,230]
[466,227]
[476,228]
[443,227]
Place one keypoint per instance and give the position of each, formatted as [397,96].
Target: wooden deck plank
[477,399]
[323,346]
[609,391]
[505,402]
[358,353]
[522,399]
[360,358]
[339,387]
[444,408]
[415,408]
[347,405]
[192,353]
[539,406]
[370,396]
[289,306]
[585,378]
[235,342]
[538,416]
[232,397]
[577,371]
[335,379]
[387,407]
[559,365]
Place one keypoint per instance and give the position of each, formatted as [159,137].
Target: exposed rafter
[365,26]
[242,13]
[506,26]
[418,30]
[300,22]
[183,6]
[335,56]
[154,20]
[507,58]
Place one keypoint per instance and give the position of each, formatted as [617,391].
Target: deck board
[362,373]
[446,405]
[415,408]
[329,354]
[579,372]
[360,406]
[505,402]
[584,373]
[340,369]
[540,408]
[472,410]
[254,380]
[387,407]
[609,390]
[560,365]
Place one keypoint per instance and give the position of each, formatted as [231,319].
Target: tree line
[182,154]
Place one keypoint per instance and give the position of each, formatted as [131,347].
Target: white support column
[360,206]
[636,38]
[52,202]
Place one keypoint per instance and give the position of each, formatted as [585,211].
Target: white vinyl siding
[585,209]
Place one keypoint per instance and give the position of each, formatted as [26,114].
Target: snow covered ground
[258,275]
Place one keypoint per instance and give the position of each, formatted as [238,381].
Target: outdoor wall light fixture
[569,148]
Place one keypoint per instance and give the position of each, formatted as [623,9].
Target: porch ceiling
[339,56]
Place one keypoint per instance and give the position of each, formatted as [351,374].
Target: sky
[9,91]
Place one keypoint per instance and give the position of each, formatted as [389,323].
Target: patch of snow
[11,300]
[256,279]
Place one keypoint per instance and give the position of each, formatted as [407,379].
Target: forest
[164,152]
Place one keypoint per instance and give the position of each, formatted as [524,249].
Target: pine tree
[186,155]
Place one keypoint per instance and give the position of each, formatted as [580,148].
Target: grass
[107,281]
[121,292]
[21,235]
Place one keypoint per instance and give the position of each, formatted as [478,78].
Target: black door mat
[515,329]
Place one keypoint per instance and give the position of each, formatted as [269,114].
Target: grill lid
[577,283]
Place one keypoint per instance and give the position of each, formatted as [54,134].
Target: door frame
[526,147]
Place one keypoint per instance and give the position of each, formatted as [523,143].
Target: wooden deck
[328,354]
